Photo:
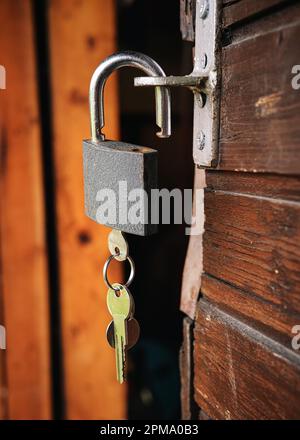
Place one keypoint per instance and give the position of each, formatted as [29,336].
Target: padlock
[118,176]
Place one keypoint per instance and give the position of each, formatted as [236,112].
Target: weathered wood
[253,243]
[261,185]
[188,406]
[276,311]
[272,319]
[203,415]
[82,34]
[23,249]
[191,279]
[240,373]
[260,111]
[244,365]
[238,10]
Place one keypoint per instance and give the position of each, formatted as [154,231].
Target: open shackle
[102,72]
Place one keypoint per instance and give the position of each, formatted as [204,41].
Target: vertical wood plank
[81,35]
[193,267]
[189,408]
[3,383]
[23,253]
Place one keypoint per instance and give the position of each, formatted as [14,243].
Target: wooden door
[238,359]
[57,363]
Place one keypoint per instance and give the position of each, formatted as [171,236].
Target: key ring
[105,268]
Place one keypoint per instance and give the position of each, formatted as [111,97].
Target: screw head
[204,8]
[201,140]
[203,60]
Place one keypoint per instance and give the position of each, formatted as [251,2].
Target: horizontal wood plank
[272,319]
[240,373]
[264,185]
[252,243]
[237,10]
[260,110]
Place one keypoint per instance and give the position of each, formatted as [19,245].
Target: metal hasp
[204,81]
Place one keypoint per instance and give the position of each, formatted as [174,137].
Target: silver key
[119,304]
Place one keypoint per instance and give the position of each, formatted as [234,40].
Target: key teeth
[124,363]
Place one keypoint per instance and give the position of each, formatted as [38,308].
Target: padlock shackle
[109,65]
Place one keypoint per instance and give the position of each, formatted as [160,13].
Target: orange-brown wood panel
[3,383]
[23,253]
[3,387]
[82,34]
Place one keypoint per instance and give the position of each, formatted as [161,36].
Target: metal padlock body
[106,164]
[109,164]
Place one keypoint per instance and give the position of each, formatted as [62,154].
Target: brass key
[119,304]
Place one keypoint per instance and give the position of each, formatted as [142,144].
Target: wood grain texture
[240,373]
[260,111]
[254,245]
[244,365]
[23,249]
[192,272]
[82,34]
[238,10]
[272,319]
[188,406]
[3,381]
[261,185]
[203,415]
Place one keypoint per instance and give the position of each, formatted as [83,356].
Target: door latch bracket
[204,81]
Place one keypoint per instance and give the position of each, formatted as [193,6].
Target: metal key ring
[105,268]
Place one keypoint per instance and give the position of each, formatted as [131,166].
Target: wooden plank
[3,381]
[3,387]
[264,185]
[236,11]
[240,373]
[81,35]
[188,405]
[253,244]
[193,268]
[203,415]
[23,249]
[274,320]
[260,111]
